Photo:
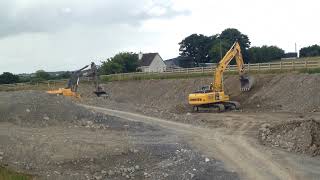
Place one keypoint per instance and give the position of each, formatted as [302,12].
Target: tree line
[38,76]
[211,49]
[197,48]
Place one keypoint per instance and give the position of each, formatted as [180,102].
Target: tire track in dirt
[234,150]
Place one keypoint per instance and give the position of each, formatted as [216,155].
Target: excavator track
[232,105]
[217,107]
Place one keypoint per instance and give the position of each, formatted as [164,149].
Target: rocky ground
[53,138]
[291,96]
[297,136]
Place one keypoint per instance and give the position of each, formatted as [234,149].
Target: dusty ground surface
[53,138]
[284,97]
[156,130]
[238,148]
[275,100]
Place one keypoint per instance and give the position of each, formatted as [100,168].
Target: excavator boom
[246,82]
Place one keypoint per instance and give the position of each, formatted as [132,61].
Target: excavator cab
[246,82]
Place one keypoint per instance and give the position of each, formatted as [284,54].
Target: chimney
[140,55]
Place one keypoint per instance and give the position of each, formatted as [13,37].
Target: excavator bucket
[246,83]
[100,92]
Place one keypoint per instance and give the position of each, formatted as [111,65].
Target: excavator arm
[234,52]
[73,82]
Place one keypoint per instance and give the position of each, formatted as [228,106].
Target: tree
[8,78]
[310,51]
[225,40]
[218,50]
[65,75]
[197,46]
[124,62]
[265,54]
[43,75]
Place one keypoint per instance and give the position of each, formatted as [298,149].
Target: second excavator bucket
[100,92]
[246,83]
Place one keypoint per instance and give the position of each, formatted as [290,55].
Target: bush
[8,78]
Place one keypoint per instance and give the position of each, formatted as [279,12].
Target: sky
[69,34]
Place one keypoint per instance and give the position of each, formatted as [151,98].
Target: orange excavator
[73,83]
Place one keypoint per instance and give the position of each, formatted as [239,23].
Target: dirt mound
[301,137]
[31,108]
[280,92]
[286,92]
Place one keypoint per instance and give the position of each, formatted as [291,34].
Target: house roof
[180,61]
[147,59]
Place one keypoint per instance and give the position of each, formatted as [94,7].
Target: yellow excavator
[73,83]
[214,95]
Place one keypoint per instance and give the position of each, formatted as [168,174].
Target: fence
[51,84]
[184,72]
[259,67]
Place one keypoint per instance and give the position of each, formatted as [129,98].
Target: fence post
[248,67]
[305,64]
[269,66]
[292,65]
[280,65]
[259,67]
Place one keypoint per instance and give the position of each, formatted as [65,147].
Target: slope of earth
[271,93]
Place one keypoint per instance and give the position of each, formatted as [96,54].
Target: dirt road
[239,152]
[52,138]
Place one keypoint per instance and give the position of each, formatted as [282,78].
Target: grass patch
[310,71]
[6,174]
[130,77]
[27,86]
[154,76]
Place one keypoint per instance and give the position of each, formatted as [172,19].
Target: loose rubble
[298,136]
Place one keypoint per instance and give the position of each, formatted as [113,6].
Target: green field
[194,75]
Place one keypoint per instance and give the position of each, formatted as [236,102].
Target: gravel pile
[31,108]
[301,137]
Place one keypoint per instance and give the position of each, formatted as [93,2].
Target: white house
[151,62]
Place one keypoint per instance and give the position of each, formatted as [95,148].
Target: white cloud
[65,35]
